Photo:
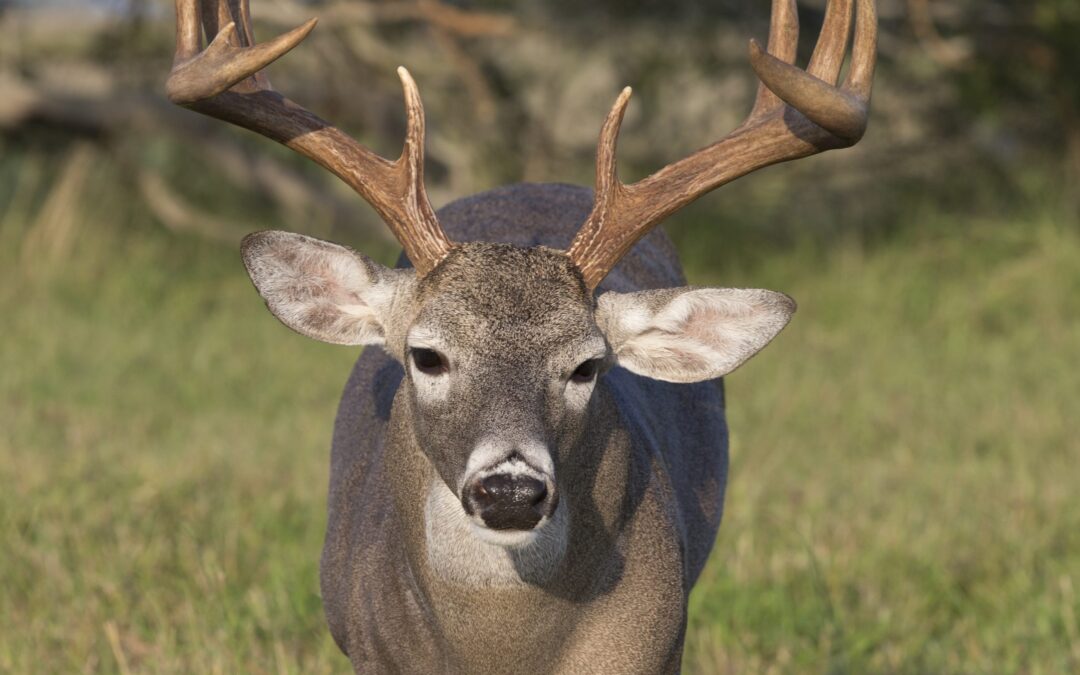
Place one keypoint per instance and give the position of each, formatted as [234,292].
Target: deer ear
[690,334]
[322,290]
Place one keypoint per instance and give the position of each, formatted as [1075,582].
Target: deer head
[501,345]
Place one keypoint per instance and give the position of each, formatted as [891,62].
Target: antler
[225,81]
[796,114]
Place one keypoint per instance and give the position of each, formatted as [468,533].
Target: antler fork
[796,114]
[225,80]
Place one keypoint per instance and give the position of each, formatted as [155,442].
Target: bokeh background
[905,457]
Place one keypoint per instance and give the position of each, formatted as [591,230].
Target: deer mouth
[508,539]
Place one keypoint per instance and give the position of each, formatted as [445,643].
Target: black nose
[509,501]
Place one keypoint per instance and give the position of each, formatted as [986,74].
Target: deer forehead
[499,298]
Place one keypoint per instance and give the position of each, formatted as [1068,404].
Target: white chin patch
[508,538]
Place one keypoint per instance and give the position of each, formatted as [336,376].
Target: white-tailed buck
[529,474]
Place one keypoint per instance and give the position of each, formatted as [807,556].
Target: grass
[902,496]
[903,491]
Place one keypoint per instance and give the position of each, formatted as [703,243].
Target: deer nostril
[481,497]
[540,495]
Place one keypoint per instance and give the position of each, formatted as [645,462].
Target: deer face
[501,357]
[502,348]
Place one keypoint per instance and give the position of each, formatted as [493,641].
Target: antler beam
[225,80]
[797,113]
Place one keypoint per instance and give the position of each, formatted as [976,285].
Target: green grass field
[903,494]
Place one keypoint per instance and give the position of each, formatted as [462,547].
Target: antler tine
[608,192]
[829,51]
[422,236]
[222,65]
[188,33]
[834,110]
[783,42]
[860,76]
[225,80]
[606,164]
[796,114]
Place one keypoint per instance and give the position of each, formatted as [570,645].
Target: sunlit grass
[905,462]
[902,495]
[153,486]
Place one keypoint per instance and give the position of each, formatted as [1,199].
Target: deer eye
[428,361]
[586,371]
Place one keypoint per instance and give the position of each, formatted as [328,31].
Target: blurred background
[902,496]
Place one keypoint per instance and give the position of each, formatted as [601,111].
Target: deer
[528,474]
